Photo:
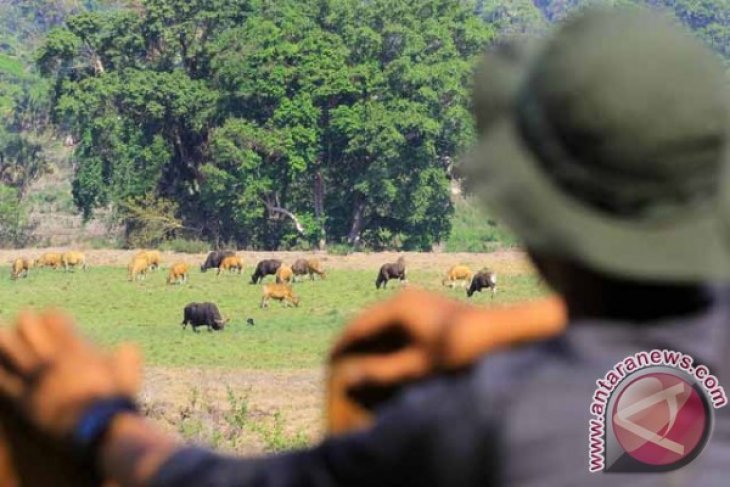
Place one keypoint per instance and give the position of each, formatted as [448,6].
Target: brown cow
[302,267]
[178,273]
[314,266]
[137,269]
[284,274]
[20,268]
[279,292]
[299,268]
[73,259]
[458,273]
[154,258]
[49,259]
[231,263]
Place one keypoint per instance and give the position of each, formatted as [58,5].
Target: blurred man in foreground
[607,152]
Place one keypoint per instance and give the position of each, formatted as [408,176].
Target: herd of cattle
[226,261]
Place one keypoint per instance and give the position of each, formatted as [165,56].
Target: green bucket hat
[609,144]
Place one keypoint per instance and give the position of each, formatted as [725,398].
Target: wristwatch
[94,424]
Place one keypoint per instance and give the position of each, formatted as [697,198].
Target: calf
[203,314]
[178,273]
[20,268]
[214,259]
[279,292]
[483,279]
[391,271]
[267,267]
[231,263]
[284,274]
[458,273]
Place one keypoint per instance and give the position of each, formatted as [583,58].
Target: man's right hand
[418,334]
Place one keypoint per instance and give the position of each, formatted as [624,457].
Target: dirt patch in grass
[195,404]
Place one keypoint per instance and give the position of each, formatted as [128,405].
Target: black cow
[265,268]
[214,259]
[203,314]
[391,271]
[481,280]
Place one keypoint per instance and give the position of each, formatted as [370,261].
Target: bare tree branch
[277,209]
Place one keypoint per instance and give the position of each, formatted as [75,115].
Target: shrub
[230,426]
[339,249]
[186,246]
[101,243]
[15,228]
[149,220]
[474,231]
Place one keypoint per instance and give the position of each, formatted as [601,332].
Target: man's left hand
[52,375]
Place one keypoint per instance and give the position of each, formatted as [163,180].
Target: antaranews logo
[652,412]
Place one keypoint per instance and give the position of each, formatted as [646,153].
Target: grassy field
[109,310]
[246,390]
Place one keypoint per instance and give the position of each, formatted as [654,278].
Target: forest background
[256,124]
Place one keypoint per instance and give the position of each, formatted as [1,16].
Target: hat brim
[504,175]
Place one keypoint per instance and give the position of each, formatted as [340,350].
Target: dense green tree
[513,17]
[269,122]
[21,160]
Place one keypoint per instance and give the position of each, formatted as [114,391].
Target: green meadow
[109,310]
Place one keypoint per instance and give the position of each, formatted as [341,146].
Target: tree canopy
[264,124]
[268,122]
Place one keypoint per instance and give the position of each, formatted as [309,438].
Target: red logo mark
[659,419]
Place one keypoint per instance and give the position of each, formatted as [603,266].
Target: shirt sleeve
[435,435]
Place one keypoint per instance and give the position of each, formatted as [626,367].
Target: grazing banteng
[267,267]
[178,273]
[308,266]
[214,259]
[284,274]
[153,258]
[299,268]
[137,269]
[231,263]
[481,280]
[391,271]
[20,266]
[49,259]
[73,259]
[203,314]
[279,292]
[458,273]
[314,266]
